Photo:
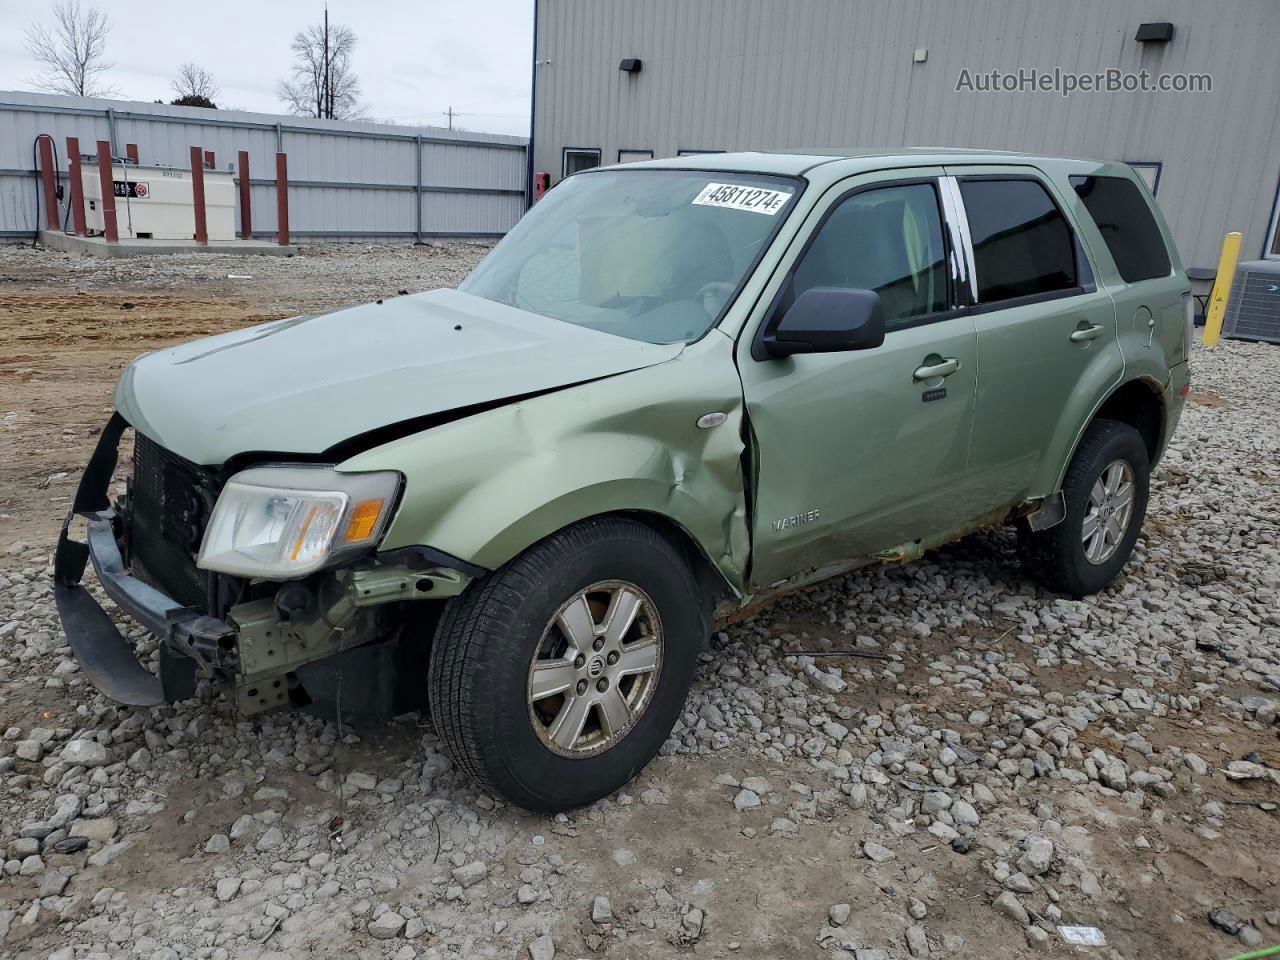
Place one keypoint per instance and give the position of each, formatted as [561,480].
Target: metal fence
[347,180]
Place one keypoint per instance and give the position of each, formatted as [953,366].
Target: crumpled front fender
[486,487]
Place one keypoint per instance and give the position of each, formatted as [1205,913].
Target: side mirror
[828,320]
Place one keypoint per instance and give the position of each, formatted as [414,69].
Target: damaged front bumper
[283,647]
[104,655]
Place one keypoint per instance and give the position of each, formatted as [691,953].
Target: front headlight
[279,522]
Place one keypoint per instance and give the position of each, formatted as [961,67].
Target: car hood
[306,384]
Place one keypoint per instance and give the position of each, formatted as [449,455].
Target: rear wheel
[555,679]
[1105,492]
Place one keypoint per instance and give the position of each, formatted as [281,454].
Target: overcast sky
[415,58]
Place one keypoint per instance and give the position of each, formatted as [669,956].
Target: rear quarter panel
[1150,313]
[1158,298]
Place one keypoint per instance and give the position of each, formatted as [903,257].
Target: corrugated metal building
[777,74]
[347,180]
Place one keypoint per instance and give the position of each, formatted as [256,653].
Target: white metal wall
[788,74]
[347,181]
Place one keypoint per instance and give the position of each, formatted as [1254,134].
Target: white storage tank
[156,203]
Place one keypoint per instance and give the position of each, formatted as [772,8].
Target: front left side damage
[104,655]
[630,443]
[270,644]
[514,474]
[283,641]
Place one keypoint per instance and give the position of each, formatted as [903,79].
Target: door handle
[1091,332]
[944,369]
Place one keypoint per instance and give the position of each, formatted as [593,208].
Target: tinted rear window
[1022,244]
[1124,219]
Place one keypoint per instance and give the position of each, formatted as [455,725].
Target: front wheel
[1105,492]
[555,679]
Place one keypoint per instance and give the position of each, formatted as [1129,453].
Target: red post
[197,195]
[208,159]
[48,177]
[131,151]
[246,221]
[76,194]
[282,199]
[109,229]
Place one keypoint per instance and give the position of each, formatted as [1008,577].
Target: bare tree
[72,50]
[324,83]
[194,86]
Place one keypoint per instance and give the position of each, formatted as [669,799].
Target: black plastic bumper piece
[368,682]
[105,656]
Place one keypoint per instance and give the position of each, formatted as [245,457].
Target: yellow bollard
[1222,288]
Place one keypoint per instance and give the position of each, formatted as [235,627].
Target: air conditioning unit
[158,203]
[1253,308]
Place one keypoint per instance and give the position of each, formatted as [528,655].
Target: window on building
[1149,171]
[888,240]
[631,156]
[1123,218]
[577,159]
[690,152]
[1022,244]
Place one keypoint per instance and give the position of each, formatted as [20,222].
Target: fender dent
[487,487]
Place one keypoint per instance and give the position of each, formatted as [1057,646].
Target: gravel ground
[933,760]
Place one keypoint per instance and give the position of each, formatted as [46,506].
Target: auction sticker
[737,197]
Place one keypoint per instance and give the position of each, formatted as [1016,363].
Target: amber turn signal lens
[364,517]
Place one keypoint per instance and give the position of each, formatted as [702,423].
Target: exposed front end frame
[283,646]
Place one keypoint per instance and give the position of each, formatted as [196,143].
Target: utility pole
[326,103]
[450,114]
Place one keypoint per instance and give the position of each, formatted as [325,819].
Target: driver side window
[888,239]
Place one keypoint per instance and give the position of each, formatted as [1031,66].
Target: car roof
[793,163]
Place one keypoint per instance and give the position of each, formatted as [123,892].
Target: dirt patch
[66,351]
[1207,398]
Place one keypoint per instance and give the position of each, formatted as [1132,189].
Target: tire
[482,689]
[1059,556]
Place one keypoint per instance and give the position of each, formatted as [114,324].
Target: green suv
[673,391]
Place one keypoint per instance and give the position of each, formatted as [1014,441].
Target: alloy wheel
[596,668]
[1107,512]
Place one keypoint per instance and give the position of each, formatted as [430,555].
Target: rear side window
[1126,224]
[1022,244]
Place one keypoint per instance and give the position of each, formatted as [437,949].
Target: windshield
[651,255]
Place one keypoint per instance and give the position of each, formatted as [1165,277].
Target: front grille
[170,500]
